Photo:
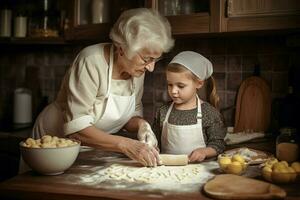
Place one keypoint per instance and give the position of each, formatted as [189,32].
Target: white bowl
[50,161]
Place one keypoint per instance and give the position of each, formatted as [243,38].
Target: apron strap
[110,69]
[199,112]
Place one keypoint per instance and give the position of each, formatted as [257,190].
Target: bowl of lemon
[280,171]
[232,164]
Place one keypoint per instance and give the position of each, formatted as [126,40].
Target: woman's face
[182,87]
[140,62]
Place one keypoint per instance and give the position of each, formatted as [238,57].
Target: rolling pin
[170,159]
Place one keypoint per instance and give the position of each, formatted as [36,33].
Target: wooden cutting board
[253,106]
[229,186]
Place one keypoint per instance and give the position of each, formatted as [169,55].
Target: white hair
[141,28]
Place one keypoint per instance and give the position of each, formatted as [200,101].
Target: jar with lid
[287,145]
[45,21]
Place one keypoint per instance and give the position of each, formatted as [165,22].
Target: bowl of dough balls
[281,172]
[232,164]
[49,155]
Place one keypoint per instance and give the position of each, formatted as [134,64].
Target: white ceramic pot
[22,106]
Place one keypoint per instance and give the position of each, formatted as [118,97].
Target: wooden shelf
[37,41]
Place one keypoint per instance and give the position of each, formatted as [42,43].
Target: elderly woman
[102,91]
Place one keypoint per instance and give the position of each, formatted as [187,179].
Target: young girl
[189,125]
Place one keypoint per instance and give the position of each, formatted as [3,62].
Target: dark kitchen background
[39,60]
[42,67]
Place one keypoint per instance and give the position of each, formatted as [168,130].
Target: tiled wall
[41,69]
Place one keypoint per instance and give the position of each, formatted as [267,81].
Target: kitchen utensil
[228,186]
[253,106]
[170,159]
[22,106]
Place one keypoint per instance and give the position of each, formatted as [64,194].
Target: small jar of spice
[287,146]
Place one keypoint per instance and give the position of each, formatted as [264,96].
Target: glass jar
[44,21]
[287,147]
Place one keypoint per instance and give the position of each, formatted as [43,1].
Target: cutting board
[253,107]
[229,186]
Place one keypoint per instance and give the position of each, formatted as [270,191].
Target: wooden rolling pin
[170,159]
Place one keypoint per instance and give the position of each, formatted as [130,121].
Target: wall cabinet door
[187,17]
[92,19]
[86,23]
[249,15]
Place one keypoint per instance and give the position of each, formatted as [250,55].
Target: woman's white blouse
[81,98]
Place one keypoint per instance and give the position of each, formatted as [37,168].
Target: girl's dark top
[213,127]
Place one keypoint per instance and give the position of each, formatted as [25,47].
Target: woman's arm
[134,149]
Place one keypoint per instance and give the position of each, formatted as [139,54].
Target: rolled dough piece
[170,159]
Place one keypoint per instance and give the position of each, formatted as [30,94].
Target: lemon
[238,158]
[224,161]
[284,163]
[296,166]
[267,173]
[278,166]
[271,161]
[234,168]
[292,173]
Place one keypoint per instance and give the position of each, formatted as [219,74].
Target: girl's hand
[141,152]
[197,155]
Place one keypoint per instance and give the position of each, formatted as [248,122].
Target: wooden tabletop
[70,185]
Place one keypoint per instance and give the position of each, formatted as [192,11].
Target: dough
[169,159]
[192,173]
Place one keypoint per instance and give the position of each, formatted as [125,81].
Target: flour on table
[131,176]
[172,174]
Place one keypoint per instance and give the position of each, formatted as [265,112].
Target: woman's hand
[141,152]
[146,135]
[197,155]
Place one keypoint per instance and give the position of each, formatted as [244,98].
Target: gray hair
[142,28]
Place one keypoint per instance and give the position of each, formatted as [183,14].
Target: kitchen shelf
[27,40]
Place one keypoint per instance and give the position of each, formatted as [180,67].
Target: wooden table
[66,186]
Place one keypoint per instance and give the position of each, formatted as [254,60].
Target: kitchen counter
[72,184]
[9,151]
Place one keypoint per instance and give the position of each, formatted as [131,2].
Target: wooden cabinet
[208,16]
[250,15]
[83,28]
[84,22]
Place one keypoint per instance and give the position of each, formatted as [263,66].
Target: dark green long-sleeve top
[213,127]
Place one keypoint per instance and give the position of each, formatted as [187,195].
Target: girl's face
[182,87]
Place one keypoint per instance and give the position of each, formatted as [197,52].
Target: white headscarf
[195,62]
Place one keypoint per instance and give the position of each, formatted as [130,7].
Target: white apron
[119,109]
[117,112]
[182,139]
